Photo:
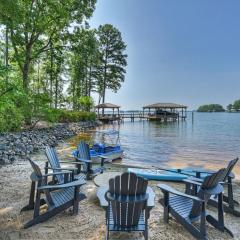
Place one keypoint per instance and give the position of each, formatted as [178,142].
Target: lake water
[207,140]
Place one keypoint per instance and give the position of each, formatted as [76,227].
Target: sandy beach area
[90,222]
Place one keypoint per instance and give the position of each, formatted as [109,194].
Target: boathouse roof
[107,105]
[165,105]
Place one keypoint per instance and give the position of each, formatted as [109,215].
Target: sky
[180,51]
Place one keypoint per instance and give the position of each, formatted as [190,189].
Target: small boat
[106,147]
[165,174]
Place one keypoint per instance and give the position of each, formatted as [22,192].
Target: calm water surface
[209,139]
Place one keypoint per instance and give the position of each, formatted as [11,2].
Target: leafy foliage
[52,61]
[113,60]
[211,108]
[235,106]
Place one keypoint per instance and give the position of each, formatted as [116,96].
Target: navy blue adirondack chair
[58,197]
[188,209]
[228,198]
[84,157]
[127,204]
[55,166]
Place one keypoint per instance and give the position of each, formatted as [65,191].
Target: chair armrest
[204,171]
[84,160]
[68,162]
[56,173]
[189,180]
[101,156]
[61,168]
[195,179]
[151,198]
[166,188]
[101,192]
[66,185]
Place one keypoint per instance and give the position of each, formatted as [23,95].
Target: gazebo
[109,116]
[166,111]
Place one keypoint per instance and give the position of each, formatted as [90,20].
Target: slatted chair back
[229,169]
[128,199]
[84,152]
[209,182]
[54,162]
[36,169]
[41,180]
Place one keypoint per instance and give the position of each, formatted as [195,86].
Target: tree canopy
[211,108]
[52,59]
[234,106]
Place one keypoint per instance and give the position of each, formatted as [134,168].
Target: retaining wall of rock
[17,146]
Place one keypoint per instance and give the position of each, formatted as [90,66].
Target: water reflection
[211,140]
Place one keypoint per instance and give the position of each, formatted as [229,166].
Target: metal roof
[165,105]
[107,105]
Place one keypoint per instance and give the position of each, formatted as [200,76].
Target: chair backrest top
[229,168]
[54,162]
[128,184]
[83,150]
[128,198]
[209,183]
[36,169]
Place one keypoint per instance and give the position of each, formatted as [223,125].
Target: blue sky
[181,51]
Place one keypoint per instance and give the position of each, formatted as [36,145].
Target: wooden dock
[140,116]
[161,112]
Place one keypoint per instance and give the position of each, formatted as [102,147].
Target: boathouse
[108,112]
[165,112]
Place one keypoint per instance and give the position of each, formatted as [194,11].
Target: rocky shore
[17,146]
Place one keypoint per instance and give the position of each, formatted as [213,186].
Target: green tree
[236,105]
[111,70]
[83,64]
[229,107]
[33,23]
[86,103]
[211,108]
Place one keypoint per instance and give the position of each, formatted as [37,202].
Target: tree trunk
[26,73]
[56,92]
[51,73]
[90,82]
[6,52]
[104,86]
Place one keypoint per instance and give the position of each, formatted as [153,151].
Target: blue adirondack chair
[86,163]
[55,166]
[58,197]
[128,207]
[188,209]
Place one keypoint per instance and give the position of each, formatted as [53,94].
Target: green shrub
[11,117]
[64,116]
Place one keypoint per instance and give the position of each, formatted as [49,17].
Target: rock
[17,146]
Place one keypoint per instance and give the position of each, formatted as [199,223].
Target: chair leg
[76,200]
[219,224]
[30,205]
[203,220]
[146,232]
[166,207]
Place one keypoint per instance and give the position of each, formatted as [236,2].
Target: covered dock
[108,112]
[165,112]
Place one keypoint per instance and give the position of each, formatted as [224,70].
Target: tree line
[51,58]
[233,107]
